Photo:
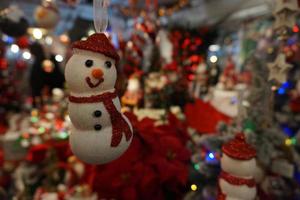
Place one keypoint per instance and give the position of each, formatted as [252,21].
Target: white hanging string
[101,15]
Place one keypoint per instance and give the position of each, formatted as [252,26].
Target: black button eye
[108,64]
[89,63]
[97,113]
[97,127]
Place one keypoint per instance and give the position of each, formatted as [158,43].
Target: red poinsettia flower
[155,163]
[170,158]
[179,128]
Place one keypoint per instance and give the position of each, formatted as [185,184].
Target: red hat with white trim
[239,149]
[98,43]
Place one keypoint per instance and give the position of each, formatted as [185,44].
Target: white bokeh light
[26,55]
[37,34]
[59,58]
[213,59]
[14,48]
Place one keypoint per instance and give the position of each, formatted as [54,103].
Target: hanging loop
[100,15]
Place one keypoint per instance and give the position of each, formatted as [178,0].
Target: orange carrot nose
[97,73]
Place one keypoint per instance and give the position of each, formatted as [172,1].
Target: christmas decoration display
[59,174]
[13,22]
[229,78]
[238,165]
[133,93]
[138,54]
[185,92]
[275,174]
[41,126]
[199,84]
[47,15]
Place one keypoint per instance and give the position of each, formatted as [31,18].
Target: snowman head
[92,68]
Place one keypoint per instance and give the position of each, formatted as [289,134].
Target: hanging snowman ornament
[100,132]
[47,14]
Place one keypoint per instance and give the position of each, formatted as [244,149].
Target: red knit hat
[98,43]
[238,148]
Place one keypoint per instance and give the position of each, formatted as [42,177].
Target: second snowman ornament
[100,132]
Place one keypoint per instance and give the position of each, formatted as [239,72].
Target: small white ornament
[279,69]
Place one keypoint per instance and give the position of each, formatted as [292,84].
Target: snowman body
[241,169]
[238,163]
[94,108]
[242,192]
[89,144]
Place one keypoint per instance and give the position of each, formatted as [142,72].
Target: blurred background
[194,76]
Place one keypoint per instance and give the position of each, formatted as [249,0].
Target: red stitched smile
[92,85]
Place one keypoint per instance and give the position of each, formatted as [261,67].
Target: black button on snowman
[100,132]
[97,113]
[97,127]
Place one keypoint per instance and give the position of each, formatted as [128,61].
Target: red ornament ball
[23,42]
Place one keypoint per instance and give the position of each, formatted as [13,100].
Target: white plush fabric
[237,192]
[76,72]
[232,198]
[240,168]
[94,146]
[88,145]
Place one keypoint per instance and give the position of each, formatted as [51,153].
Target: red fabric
[119,125]
[98,43]
[233,180]
[23,42]
[204,117]
[239,149]
[156,162]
